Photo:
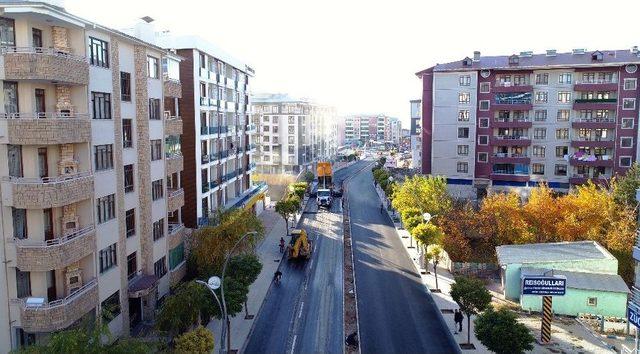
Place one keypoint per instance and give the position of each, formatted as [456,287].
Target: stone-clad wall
[176,238]
[43,259]
[173,127]
[50,195]
[177,274]
[172,89]
[44,66]
[59,317]
[174,165]
[23,131]
[175,202]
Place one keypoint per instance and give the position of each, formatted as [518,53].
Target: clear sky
[361,55]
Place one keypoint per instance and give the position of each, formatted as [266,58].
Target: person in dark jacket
[458,317]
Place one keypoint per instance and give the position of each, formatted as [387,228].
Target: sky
[361,56]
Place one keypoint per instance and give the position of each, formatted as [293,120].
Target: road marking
[300,312]
[311,264]
[293,346]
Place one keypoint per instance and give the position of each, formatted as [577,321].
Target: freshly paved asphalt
[396,312]
[304,314]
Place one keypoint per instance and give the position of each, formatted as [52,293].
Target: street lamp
[213,284]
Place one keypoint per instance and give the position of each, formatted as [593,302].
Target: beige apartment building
[90,165]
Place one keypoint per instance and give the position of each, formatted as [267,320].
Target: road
[304,313]
[396,312]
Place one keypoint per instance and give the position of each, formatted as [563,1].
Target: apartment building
[364,128]
[415,134]
[515,121]
[91,194]
[292,133]
[216,139]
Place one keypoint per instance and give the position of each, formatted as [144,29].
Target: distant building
[593,284]
[365,128]
[415,132]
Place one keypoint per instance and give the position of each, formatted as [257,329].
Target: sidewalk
[443,300]
[269,256]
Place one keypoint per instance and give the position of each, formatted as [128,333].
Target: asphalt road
[304,314]
[396,312]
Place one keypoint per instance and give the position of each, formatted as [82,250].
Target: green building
[593,284]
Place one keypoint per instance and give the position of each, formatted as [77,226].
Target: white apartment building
[415,134]
[362,129]
[292,133]
[90,168]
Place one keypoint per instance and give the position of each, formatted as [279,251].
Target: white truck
[324,198]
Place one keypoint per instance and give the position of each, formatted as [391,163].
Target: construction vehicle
[300,245]
[324,196]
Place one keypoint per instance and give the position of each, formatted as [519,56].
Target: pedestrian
[458,318]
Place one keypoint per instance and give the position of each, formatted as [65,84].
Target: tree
[308,177]
[471,296]
[501,219]
[624,188]
[427,194]
[244,268]
[411,222]
[493,327]
[200,340]
[286,208]
[542,214]
[190,303]
[434,254]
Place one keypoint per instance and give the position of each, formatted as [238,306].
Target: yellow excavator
[300,245]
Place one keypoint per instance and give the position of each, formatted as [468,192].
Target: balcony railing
[213,129]
[47,180]
[512,120]
[598,81]
[513,101]
[596,100]
[44,115]
[594,120]
[175,228]
[29,243]
[213,184]
[505,154]
[511,137]
[172,192]
[43,255]
[224,129]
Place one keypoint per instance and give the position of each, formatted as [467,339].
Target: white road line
[300,312]
[293,346]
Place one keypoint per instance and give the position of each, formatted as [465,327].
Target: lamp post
[213,284]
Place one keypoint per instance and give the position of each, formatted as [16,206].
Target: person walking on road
[281,244]
[458,318]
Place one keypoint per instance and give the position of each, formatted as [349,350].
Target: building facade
[91,193]
[292,133]
[518,120]
[362,129]
[416,134]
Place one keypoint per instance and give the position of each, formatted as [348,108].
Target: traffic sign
[545,286]
[634,316]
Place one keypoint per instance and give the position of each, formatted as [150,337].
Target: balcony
[524,122]
[204,159]
[172,125]
[591,160]
[172,88]
[59,314]
[213,130]
[214,157]
[508,140]
[596,85]
[204,101]
[42,256]
[510,158]
[583,178]
[44,128]
[223,154]
[248,197]
[592,123]
[44,64]
[593,143]
[213,185]
[512,87]
[508,177]
[224,129]
[174,163]
[48,192]
[205,187]
[176,199]
[595,103]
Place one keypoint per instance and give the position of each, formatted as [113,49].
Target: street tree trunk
[435,273]
[286,221]
[228,334]
[469,329]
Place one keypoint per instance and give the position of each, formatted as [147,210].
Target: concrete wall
[574,302]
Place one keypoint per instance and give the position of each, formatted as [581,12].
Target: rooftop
[276,98]
[551,252]
[551,59]
[583,280]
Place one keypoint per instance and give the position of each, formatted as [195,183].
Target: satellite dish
[214,282]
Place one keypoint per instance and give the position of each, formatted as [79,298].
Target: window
[108,258]
[483,140]
[625,161]
[464,97]
[130,222]
[564,97]
[462,167]
[110,307]
[483,157]
[483,123]
[156,190]
[291,139]
[463,150]
[563,115]
[103,156]
[540,115]
[153,69]
[36,38]
[160,267]
[176,256]
[154,108]
[562,133]
[626,142]
[561,170]
[291,149]
[514,60]
[292,129]
[292,120]
[627,123]
[630,84]
[128,178]
[98,52]
[541,97]
[485,87]
[158,229]
[156,150]
[540,133]
[106,207]
[23,283]
[628,103]
[542,79]
[484,105]
[465,80]
[565,78]
[265,128]
[537,169]
[125,86]
[127,133]
[538,151]
[562,151]
[101,105]
[463,115]
[592,301]
[463,133]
